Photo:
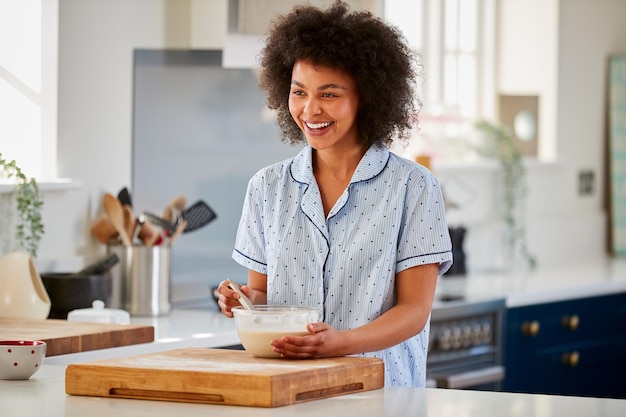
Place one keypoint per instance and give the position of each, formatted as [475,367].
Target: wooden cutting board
[220,376]
[64,336]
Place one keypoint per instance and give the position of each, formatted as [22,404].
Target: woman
[345,226]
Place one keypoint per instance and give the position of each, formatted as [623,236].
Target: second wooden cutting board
[64,336]
[229,377]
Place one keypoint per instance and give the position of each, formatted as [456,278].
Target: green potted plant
[499,144]
[30,227]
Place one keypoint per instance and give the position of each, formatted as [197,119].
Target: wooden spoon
[103,230]
[113,209]
[179,229]
[130,222]
[176,205]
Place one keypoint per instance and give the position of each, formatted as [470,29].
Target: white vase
[22,293]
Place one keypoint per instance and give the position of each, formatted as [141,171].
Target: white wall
[558,50]
[588,33]
[96,39]
[528,60]
[96,43]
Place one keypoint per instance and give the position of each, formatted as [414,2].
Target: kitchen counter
[204,326]
[544,284]
[44,396]
[181,328]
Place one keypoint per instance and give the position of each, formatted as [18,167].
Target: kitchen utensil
[63,337]
[20,359]
[103,230]
[167,215]
[198,215]
[124,197]
[101,266]
[114,210]
[177,205]
[147,234]
[258,327]
[130,222]
[222,376]
[180,202]
[69,291]
[179,230]
[243,298]
[169,227]
[22,293]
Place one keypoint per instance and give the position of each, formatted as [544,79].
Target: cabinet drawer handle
[570,322]
[530,328]
[571,358]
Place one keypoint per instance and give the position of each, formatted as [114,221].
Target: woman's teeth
[317,125]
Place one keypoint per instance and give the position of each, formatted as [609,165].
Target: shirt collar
[372,164]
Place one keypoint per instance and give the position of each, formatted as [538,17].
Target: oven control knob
[457,337]
[476,334]
[466,336]
[445,339]
[485,333]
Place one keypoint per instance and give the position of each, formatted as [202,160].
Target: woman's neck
[337,164]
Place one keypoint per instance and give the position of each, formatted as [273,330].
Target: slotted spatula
[197,215]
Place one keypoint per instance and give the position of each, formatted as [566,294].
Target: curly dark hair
[374,53]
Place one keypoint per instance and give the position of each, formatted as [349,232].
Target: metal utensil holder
[141,280]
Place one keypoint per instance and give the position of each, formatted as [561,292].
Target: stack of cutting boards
[220,376]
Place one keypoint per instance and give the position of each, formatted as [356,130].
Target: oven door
[477,369]
[486,378]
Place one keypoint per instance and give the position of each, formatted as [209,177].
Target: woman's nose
[312,107]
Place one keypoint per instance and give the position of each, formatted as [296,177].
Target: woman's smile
[317,129]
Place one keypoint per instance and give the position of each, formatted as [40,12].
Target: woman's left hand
[323,341]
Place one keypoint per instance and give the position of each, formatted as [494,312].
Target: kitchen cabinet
[569,347]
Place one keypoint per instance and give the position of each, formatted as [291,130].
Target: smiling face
[324,103]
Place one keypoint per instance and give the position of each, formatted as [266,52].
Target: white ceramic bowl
[257,328]
[20,359]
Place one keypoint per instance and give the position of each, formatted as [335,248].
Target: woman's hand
[256,290]
[323,341]
[415,289]
[227,298]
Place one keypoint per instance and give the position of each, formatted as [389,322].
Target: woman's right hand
[227,298]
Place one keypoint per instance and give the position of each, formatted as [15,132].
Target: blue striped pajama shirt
[391,217]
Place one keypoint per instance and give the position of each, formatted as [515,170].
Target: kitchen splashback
[201,131]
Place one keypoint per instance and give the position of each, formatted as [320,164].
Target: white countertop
[544,284]
[206,327]
[181,328]
[44,396]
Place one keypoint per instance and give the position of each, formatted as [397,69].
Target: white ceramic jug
[22,293]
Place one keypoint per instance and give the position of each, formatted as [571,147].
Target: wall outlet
[586,182]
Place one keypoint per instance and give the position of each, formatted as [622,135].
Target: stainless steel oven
[465,349]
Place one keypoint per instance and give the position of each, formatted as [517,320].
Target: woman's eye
[297,92]
[329,95]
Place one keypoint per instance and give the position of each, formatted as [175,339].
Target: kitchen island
[44,396]
[205,326]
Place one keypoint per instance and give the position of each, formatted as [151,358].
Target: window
[28,85]
[455,40]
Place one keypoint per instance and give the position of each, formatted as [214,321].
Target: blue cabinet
[572,347]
